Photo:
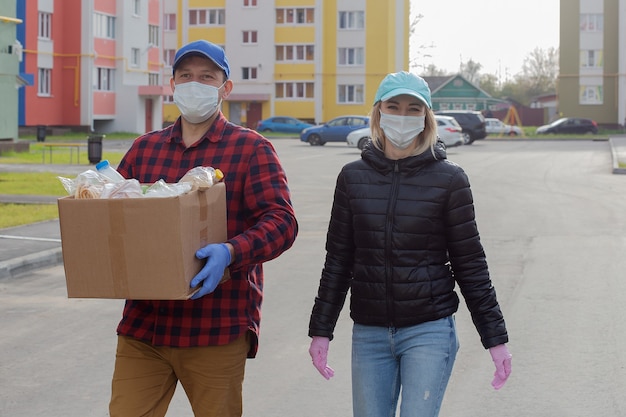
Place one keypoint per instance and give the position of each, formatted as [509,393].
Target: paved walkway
[33,246]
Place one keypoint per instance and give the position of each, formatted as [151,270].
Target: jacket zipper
[388,239]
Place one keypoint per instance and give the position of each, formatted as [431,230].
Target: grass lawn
[19,214]
[43,183]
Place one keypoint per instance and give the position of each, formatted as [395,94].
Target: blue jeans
[416,360]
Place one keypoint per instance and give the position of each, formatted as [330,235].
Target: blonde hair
[425,140]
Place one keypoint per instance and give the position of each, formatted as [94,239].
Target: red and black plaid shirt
[261,226]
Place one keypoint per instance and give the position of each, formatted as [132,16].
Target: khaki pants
[145,378]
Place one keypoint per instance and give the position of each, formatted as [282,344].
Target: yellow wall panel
[298,72]
[215,35]
[292,35]
[293,3]
[203,4]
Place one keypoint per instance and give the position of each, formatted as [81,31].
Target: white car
[496,127]
[448,130]
[358,138]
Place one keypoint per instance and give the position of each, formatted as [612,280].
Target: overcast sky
[498,34]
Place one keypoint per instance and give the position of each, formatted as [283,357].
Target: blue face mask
[401,131]
[197,102]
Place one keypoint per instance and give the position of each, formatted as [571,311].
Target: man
[204,342]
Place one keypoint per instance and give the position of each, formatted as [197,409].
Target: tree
[421,50]
[539,73]
[431,70]
[471,70]
[489,83]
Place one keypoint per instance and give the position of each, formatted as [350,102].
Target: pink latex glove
[502,359]
[319,353]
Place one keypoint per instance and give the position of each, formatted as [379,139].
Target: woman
[402,233]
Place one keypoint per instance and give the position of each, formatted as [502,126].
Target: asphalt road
[551,216]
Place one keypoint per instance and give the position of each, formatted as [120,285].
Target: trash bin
[94,148]
[41,133]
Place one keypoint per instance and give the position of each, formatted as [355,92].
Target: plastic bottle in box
[108,171]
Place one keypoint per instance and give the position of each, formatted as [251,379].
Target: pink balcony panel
[103,103]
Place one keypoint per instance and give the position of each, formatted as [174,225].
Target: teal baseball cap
[403,83]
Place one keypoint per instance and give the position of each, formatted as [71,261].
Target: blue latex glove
[218,259]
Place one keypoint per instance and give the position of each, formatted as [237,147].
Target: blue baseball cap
[403,83]
[205,49]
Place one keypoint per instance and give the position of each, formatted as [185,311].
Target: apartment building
[310,59]
[10,80]
[96,64]
[592,79]
[105,65]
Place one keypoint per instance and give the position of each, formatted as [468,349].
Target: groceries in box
[103,184]
[117,243]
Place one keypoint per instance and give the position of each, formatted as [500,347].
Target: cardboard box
[138,248]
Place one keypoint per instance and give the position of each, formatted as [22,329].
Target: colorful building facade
[105,65]
[592,61]
[310,59]
[10,80]
[96,64]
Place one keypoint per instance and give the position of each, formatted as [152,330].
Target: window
[168,99]
[103,26]
[168,57]
[591,59]
[249,3]
[104,79]
[351,20]
[169,22]
[350,56]
[249,36]
[153,78]
[207,17]
[294,90]
[295,16]
[350,94]
[43,87]
[591,94]
[591,22]
[153,35]
[45,22]
[136,7]
[134,57]
[248,73]
[295,53]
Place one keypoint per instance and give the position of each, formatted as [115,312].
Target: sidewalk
[38,245]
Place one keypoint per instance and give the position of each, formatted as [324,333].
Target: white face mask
[197,102]
[401,130]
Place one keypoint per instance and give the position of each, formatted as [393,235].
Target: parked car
[334,131]
[358,138]
[497,127]
[448,130]
[472,122]
[282,124]
[569,125]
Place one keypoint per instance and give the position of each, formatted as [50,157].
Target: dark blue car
[336,130]
[282,124]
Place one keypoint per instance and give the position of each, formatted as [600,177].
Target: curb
[614,156]
[23,264]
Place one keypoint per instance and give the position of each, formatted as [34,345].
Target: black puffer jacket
[401,234]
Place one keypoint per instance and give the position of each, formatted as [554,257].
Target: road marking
[40,239]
